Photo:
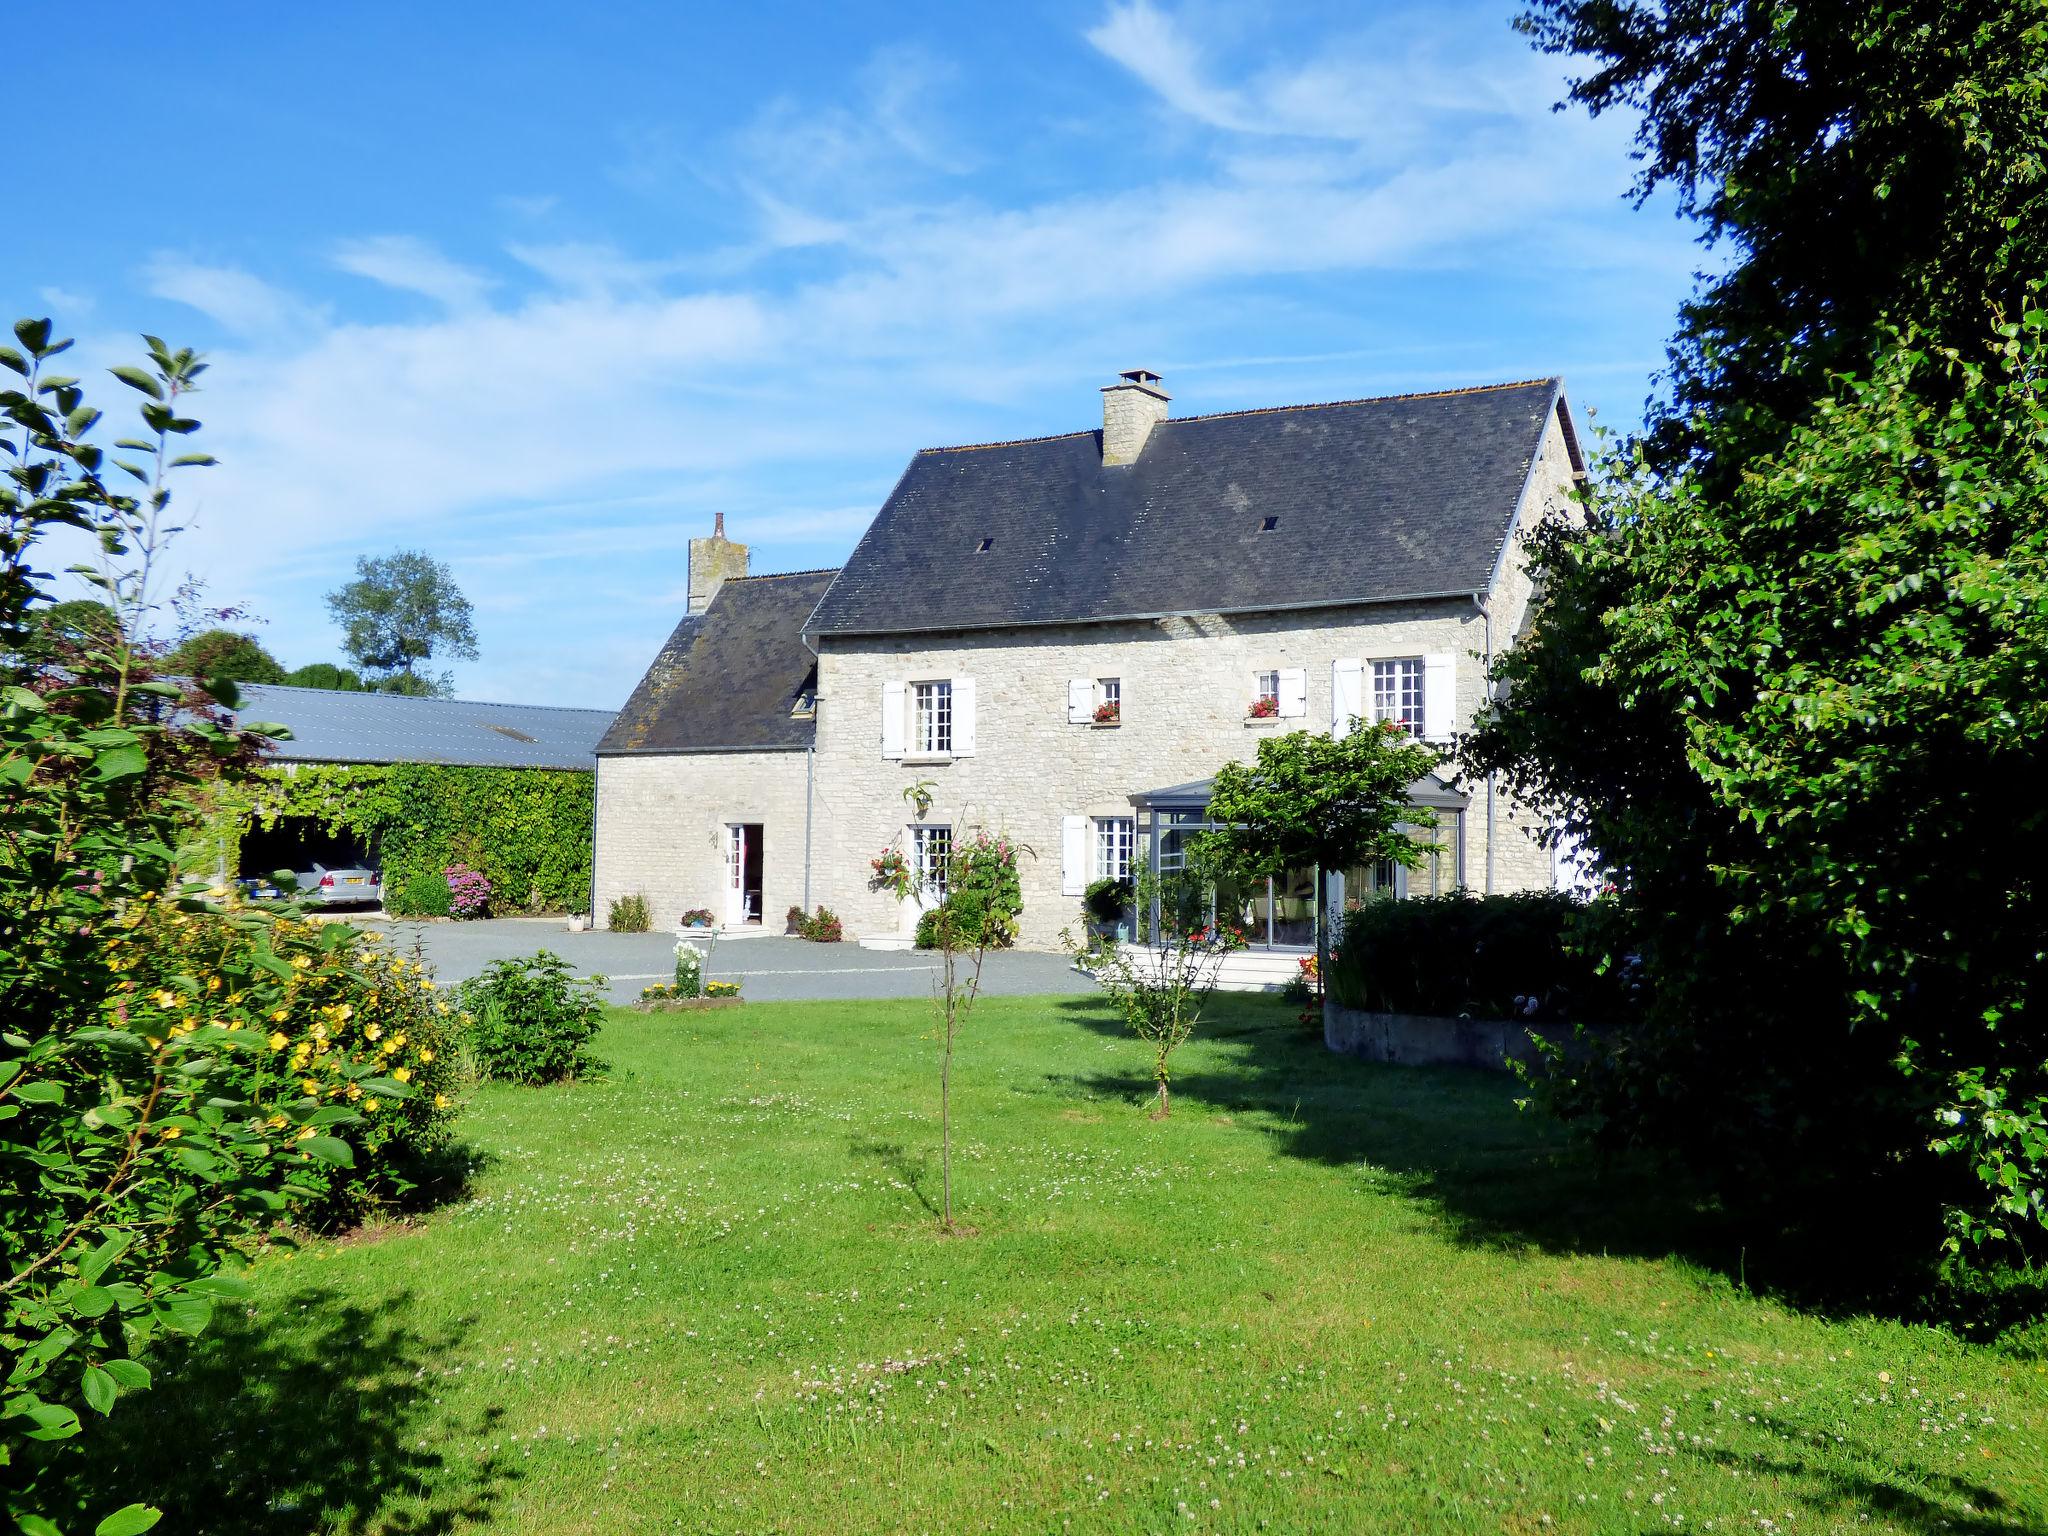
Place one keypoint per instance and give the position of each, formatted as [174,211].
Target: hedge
[527,829]
[1481,957]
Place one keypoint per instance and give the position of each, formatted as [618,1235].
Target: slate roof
[729,677]
[1407,496]
[333,727]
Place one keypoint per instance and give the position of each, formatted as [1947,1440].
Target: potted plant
[1264,707]
[1109,712]
[698,917]
[1106,901]
[892,873]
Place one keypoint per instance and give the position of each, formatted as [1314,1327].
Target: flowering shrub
[698,917]
[892,872]
[689,980]
[529,1021]
[983,892]
[721,989]
[1264,707]
[469,893]
[1109,712]
[820,927]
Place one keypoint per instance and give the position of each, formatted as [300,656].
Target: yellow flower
[373,1032]
[426,1055]
[440,1101]
[213,983]
[278,1016]
[310,1086]
[399,1038]
[278,1040]
[369,1106]
[304,1135]
[426,984]
[301,963]
[403,1074]
[172,1133]
[164,999]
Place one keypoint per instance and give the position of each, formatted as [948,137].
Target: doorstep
[886,941]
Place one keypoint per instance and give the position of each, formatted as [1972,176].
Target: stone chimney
[1130,410]
[712,561]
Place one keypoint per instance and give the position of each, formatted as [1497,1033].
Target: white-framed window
[932,732]
[1397,693]
[1116,838]
[1266,685]
[1110,691]
[932,851]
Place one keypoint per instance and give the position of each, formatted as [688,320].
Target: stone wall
[1419,1040]
[661,821]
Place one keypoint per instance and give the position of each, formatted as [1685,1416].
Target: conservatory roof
[1430,791]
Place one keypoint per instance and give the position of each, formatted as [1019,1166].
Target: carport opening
[302,845]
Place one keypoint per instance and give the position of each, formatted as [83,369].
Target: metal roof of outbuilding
[329,726]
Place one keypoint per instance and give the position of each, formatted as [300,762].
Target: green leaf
[34,334]
[129,1520]
[99,1389]
[95,1263]
[129,1375]
[93,1301]
[120,763]
[196,459]
[13,359]
[329,1149]
[186,1314]
[135,378]
[40,1093]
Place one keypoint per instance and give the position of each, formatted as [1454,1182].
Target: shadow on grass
[314,1414]
[1452,1137]
[910,1172]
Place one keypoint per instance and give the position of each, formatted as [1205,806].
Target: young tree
[1328,802]
[225,654]
[1162,982]
[400,611]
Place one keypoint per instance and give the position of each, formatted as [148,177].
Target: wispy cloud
[412,265]
[237,301]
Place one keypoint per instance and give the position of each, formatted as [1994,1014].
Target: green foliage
[689,981]
[1859,162]
[629,914]
[146,1130]
[526,830]
[1106,900]
[81,621]
[820,927]
[984,896]
[401,611]
[1161,985]
[721,989]
[225,653]
[423,893]
[1481,957]
[529,1021]
[1796,721]
[325,674]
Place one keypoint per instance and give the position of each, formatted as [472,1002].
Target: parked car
[321,885]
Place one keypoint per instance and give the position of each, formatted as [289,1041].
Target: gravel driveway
[770,967]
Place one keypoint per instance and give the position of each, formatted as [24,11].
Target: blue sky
[540,296]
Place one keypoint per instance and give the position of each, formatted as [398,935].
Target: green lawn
[705,1293]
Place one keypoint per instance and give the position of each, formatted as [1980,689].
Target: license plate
[351,879]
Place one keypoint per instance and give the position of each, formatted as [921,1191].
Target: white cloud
[237,301]
[413,266]
[65,302]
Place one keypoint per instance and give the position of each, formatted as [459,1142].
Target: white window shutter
[1080,700]
[892,720]
[1293,692]
[1347,694]
[1439,695]
[1073,855]
[963,717]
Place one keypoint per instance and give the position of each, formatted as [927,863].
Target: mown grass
[705,1293]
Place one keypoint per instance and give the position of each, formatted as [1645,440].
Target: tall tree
[401,611]
[1856,160]
[225,653]
[325,674]
[1779,673]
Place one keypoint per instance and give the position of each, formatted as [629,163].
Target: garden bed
[1425,1040]
[685,1004]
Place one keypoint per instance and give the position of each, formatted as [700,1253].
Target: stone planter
[1420,1040]
[687,1004]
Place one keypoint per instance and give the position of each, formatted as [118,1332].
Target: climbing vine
[527,830]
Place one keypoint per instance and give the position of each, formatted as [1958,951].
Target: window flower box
[1264,707]
[1109,712]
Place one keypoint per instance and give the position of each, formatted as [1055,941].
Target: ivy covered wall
[527,829]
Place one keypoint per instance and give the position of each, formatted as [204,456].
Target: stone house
[1061,639]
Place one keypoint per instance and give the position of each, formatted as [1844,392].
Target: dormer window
[984,546]
[1268,524]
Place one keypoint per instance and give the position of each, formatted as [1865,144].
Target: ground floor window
[933,850]
[1436,876]
[1279,912]
[1116,838]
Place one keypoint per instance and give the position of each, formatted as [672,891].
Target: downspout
[596,788]
[1486,614]
[811,758]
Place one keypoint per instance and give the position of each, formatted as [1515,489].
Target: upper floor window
[1397,693]
[933,725]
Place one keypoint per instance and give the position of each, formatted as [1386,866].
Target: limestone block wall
[661,822]
[1186,684]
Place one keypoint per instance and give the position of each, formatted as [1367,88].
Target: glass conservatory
[1281,913]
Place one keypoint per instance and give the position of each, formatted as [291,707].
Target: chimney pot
[1131,408]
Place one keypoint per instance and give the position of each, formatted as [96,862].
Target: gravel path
[770,967]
